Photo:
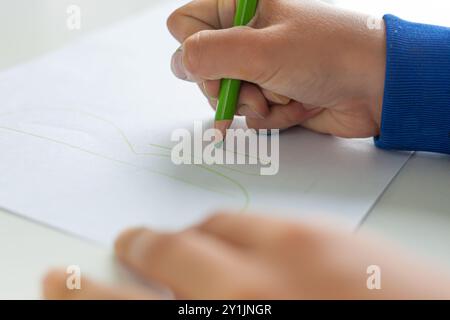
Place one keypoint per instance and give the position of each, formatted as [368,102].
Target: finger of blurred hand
[190,263]
[284,116]
[251,231]
[55,288]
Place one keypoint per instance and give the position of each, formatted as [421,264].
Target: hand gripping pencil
[230,88]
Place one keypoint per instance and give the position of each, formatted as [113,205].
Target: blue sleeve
[416,106]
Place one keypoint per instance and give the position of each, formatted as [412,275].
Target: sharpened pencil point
[221,129]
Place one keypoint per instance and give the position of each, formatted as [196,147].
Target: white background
[426,11]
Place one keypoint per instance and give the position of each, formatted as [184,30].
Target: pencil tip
[221,130]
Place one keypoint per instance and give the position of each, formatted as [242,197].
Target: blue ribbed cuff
[416,106]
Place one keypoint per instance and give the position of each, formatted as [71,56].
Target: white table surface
[414,211]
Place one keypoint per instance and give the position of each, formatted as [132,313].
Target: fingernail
[221,128]
[177,65]
[248,111]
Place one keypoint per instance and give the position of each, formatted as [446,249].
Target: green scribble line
[235,182]
[226,150]
[131,147]
[218,165]
[133,150]
[115,160]
[207,168]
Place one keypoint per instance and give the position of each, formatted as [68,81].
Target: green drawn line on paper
[217,165]
[127,141]
[241,187]
[130,145]
[226,150]
[113,159]
[133,150]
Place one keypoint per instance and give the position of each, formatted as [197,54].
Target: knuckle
[175,23]
[173,20]
[264,14]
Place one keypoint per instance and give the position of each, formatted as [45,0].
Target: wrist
[365,59]
[377,68]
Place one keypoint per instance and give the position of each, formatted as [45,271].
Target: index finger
[201,15]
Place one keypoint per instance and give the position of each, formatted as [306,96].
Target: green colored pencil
[230,88]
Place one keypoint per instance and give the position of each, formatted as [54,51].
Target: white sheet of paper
[78,130]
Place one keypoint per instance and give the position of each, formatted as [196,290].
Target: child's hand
[233,256]
[304,62]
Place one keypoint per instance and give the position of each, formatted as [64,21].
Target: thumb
[238,53]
